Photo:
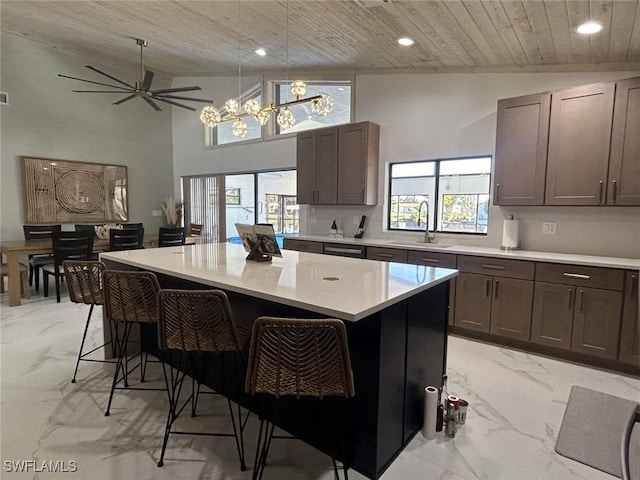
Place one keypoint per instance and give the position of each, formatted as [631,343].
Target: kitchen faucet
[427,238]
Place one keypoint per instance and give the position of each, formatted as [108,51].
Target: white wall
[45,119]
[427,116]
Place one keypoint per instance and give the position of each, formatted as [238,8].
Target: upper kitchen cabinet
[521,150]
[623,186]
[579,139]
[338,165]
[317,166]
[358,153]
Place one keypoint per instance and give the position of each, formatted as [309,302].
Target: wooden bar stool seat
[24,279]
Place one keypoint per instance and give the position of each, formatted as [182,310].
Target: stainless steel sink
[421,244]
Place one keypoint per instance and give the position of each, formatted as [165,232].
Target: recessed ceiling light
[261,51]
[589,28]
[405,41]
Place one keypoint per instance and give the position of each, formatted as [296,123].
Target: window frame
[436,201]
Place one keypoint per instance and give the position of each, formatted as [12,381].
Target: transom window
[452,195]
[339,91]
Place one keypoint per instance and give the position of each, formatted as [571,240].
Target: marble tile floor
[516,405]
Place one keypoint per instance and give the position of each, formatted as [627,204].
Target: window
[232,196]
[220,201]
[340,91]
[452,195]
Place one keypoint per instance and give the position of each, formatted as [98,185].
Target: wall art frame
[68,191]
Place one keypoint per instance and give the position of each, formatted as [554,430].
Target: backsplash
[605,231]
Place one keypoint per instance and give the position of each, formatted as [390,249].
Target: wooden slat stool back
[301,358]
[193,322]
[130,297]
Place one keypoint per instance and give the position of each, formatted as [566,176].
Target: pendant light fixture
[321,104]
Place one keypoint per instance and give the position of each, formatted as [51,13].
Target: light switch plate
[549,228]
[156,213]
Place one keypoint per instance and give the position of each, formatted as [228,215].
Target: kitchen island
[396,318]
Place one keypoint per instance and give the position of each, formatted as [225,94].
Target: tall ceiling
[214,37]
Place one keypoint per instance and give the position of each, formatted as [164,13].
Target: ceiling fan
[142,88]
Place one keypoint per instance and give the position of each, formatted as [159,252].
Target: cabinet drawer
[302,245]
[595,277]
[387,254]
[497,267]
[432,259]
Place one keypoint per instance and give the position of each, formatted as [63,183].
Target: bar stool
[130,297]
[302,358]
[25,290]
[192,323]
[84,282]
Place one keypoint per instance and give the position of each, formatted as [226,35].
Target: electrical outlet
[313,220]
[549,228]
[156,213]
[356,220]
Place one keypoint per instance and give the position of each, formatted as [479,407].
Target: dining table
[14,250]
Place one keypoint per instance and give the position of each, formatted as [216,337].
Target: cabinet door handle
[615,191]
[430,260]
[569,300]
[577,275]
[488,289]
[488,266]
[362,194]
[495,292]
[634,289]
[385,255]
[581,292]
[497,195]
[601,192]
[303,247]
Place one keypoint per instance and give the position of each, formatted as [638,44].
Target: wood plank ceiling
[214,37]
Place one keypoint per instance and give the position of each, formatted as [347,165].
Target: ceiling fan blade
[109,76]
[125,99]
[95,83]
[203,100]
[96,91]
[148,78]
[175,90]
[161,99]
[152,103]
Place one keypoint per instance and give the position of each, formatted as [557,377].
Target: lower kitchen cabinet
[302,245]
[494,296]
[496,305]
[387,254]
[574,317]
[629,334]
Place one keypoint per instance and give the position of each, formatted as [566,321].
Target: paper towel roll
[430,412]
[510,234]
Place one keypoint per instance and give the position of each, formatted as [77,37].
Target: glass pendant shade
[239,128]
[252,107]
[286,119]
[232,106]
[298,88]
[210,116]
[323,106]
[262,117]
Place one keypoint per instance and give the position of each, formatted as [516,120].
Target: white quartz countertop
[345,288]
[572,259]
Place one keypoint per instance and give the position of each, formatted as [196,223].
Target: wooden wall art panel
[64,191]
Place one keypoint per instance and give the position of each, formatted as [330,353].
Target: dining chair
[195,230]
[125,239]
[130,298]
[300,358]
[66,246]
[85,284]
[39,232]
[171,237]
[194,323]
